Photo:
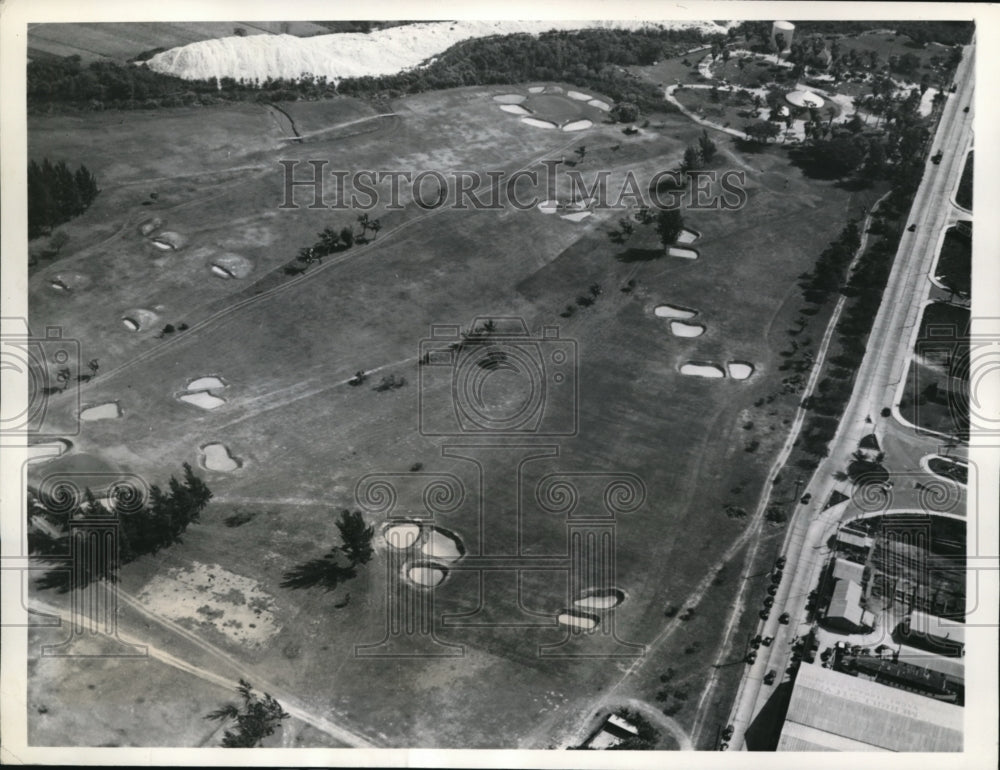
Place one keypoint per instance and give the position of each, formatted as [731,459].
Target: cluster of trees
[330,241]
[327,571]
[255,721]
[143,527]
[56,194]
[920,32]
[831,268]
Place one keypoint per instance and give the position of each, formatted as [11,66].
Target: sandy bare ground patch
[509,98]
[674,311]
[600,599]
[548,206]
[539,123]
[137,319]
[682,329]
[576,619]
[514,109]
[536,89]
[48,450]
[401,535]
[150,226]
[677,251]
[108,411]
[579,96]
[441,544]
[425,574]
[69,280]
[217,457]
[210,382]
[169,240]
[579,216]
[577,125]
[697,369]
[739,370]
[208,596]
[202,399]
[601,105]
[231,265]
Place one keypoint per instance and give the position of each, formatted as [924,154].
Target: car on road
[776,577]
[911,228]
[806,498]
[784,618]
[766,641]
[765,614]
[768,601]
[772,589]
[755,642]
[936,158]
[965,109]
[769,676]
[751,657]
[780,563]
[728,732]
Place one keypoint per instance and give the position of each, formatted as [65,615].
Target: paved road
[877,386]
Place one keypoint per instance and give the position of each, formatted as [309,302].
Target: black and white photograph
[468,385]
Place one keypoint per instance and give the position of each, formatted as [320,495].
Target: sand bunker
[169,240]
[231,266]
[509,98]
[581,620]
[203,400]
[548,207]
[579,96]
[109,411]
[206,383]
[600,105]
[402,536]
[539,123]
[442,544]
[69,281]
[675,251]
[208,596]
[688,236]
[514,109]
[150,225]
[681,329]
[577,217]
[600,598]
[217,457]
[536,89]
[48,450]
[426,574]
[804,99]
[702,370]
[577,125]
[137,319]
[739,370]
[673,311]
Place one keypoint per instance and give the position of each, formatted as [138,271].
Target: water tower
[784,28]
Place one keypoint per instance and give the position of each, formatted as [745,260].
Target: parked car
[776,577]
[766,641]
[772,589]
[765,614]
[780,563]
[728,732]
[768,601]
[806,498]
[755,642]
[751,657]
[965,109]
[936,158]
[911,228]
[769,676]
[784,618]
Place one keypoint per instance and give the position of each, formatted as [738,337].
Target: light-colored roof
[623,724]
[940,628]
[951,667]
[831,709]
[847,570]
[846,602]
[858,541]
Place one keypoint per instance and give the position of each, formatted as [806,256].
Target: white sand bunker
[548,207]
[536,89]
[442,544]
[577,125]
[582,620]
[514,109]
[205,595]
[48,450]
[600,598]
[682,329]
[203,400]
[600,105]
[509,98]
[217,457]
[402,536]
[577,217]
[69,281]
[739,370]
[539,123]
[137,319]
[198,392]
[702,370]
[169,241]
[676,251]
[109,411]
[425,574]
[674,311]
[150,225]
[579,96]
[688,236]
[231,266]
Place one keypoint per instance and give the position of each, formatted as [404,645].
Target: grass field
[964,195]
[306,437]
[954,267]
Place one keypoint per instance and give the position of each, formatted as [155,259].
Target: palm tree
[375,226]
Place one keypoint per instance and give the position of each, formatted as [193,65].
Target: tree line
[56,194]
[152,526]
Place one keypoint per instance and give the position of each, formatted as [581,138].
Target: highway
[877,386]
